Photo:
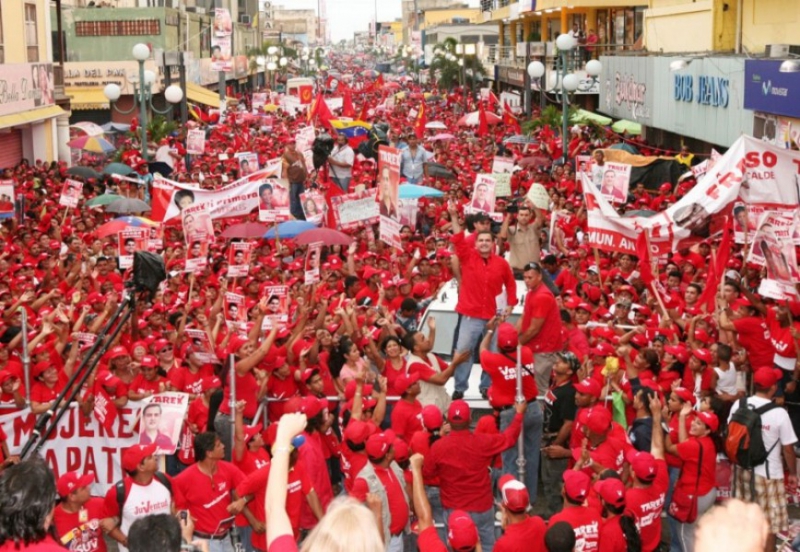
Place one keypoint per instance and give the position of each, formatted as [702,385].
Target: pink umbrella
[472,119]
[328,236]
[442,136]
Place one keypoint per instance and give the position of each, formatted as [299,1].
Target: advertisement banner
[751,172]
[356,209]
[616,179]
[237,199]
[221,57]
[773,247]
[768,89]
[389,183]
[25,86]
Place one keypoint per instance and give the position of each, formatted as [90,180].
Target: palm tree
[447,68]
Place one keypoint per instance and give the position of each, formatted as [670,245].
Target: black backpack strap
[120,488]
[164,480]
[761,410]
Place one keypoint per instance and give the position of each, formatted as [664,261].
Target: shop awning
[197,94]
[583,116]
[630,127]
[85,99]
[32,116]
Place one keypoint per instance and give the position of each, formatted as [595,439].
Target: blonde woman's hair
[347,526]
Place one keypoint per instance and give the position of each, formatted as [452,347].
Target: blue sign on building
[703,89]
[767,89]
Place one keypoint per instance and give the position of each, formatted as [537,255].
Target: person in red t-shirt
[502,369]
[645,499]
[77,518]
[619,532]
[407,412]
[522,532]
[585,521]
[751,331]
[148,382]
[462,535]
[540,326]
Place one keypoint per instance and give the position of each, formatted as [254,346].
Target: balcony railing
[511,56]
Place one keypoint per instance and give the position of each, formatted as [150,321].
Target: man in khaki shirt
[523,238]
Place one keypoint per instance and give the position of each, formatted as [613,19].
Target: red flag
[320,110]
[494,102]
[509,119]
[348,110]
[483,123]
[716,270]
[306,93]
[364,111]
[420,122]
[645,264]
[377,84]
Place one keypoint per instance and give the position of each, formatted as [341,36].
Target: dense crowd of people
[619,414]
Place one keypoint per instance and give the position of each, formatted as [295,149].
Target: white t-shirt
[775,427]
[343,155]
[163,155]
[144,500]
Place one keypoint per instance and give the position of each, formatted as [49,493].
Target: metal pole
[564,116]
[182,82]
[143,110]
[527,81]
[232,361]
[520,399]
[26,357]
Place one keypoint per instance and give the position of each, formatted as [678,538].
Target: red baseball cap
[678,352]
[514,494]
[576,485]
[766,376]
[432,417]
[236,343]
[612,491]
[603,349]
[211,382]
[117,352]
[72,481]
[358,432]
[251,431]
[311,406]
[150,361]
[643,465]
[684,394]
[507,337]
[378,444]
[350,390]
[462,534]
[710,419]
[589,386]
[703,355]
[458,411]
[598,420]
[405,381]
[134,455]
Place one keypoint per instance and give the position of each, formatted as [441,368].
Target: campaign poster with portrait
[155,238]
[221,59]
[314,206]
[6,198]
[304,138]
[197,253]
[161,421]
[130,241]
[248,163]
[388,181]
[773,247]
[277,306]
[355,209]
[239,259]
[407,210]
[746,218]
[235,310]
[312,263]
[197,224]
[583,167]
[273,200]
[259,101]
[71,193]
[196,141]
[483,194]
[616,181]
[200,341]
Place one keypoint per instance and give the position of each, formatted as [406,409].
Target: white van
[443,308]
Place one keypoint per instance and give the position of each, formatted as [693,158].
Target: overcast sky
[349,16]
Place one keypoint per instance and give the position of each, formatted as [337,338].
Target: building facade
[32,125]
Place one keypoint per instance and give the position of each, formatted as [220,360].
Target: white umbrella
[436,124]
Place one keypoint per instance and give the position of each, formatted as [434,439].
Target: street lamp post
[567,82]
[143,96]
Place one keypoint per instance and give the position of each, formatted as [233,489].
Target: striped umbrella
[93,144]
[119,224]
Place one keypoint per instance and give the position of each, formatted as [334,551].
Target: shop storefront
[626,89]
[775,98]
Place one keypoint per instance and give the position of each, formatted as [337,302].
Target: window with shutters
[31,34]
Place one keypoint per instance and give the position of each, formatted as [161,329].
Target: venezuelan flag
[355,131]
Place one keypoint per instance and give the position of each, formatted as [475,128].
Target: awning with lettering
[197,94]
[84,99]
[30,116]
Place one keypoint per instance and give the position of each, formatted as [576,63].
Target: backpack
[122,491]
[744,443]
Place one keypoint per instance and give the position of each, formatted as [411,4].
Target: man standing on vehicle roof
[484,274]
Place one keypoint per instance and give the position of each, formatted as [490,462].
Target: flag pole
[520,399]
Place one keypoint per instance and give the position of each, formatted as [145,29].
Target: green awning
[624,125]
[583,116]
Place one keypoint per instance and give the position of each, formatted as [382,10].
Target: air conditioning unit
[245,19]
[782,50]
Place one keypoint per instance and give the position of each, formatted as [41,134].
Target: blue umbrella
[414,191]
[289,229]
